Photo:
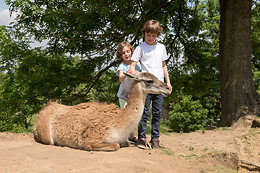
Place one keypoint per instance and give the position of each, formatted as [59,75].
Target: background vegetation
[79,61]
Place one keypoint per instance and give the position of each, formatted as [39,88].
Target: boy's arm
[166,75]
[132,67]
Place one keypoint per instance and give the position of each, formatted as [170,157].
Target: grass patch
[188,157]
[192,156]
[167,151]
[253,131]
[247,150]
[206,149]
[217,151]
[223,128]
[191,148]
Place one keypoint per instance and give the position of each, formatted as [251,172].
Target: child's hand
[131,71]
[132,67]
[170,86]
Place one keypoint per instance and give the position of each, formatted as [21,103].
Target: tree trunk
[237,89]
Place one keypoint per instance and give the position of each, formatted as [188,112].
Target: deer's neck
[130,115]
[135,105]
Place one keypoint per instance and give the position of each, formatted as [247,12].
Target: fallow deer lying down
[97,126]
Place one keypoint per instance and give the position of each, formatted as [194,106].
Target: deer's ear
[131,76]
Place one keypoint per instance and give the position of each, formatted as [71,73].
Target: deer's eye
[149,81]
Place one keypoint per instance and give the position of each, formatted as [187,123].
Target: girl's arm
[121,76]
[132,67]
[166,75]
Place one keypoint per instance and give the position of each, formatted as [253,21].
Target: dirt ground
[220,150]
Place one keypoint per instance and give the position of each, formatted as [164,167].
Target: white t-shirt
[151,57]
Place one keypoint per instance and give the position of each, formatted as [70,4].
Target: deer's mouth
[165,94]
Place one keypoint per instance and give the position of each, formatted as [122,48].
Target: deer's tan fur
[97,126]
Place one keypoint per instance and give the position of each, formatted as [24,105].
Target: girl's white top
[124,86]
[151,57]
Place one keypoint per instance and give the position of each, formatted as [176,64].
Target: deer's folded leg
[102,146]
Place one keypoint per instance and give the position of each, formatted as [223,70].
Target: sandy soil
[221,150]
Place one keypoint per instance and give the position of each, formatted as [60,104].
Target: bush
[211,102]
[187,115]
[256,78]
[14,123]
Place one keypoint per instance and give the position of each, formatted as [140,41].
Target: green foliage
[211,102]
[256,77]
[32,77]
[255,34]
[104,91]
[107,87]
[198,72]
[187,115]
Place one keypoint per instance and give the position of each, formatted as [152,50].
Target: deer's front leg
[102,146]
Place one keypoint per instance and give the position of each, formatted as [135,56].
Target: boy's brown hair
[120,48]
[152,26]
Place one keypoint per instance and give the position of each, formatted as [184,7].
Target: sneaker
[155,144]
[134,139]
[141,143]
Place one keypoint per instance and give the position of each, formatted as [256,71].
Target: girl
[125,51]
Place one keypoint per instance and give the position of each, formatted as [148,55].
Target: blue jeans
[157,101]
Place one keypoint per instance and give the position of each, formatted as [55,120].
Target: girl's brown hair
[152,26]
[120,48]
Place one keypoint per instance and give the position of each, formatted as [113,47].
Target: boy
[152,56]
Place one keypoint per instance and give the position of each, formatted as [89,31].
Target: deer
[95,126]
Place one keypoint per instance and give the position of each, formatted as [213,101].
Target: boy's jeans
[157,101]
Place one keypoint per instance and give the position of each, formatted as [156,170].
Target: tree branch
[99,74]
